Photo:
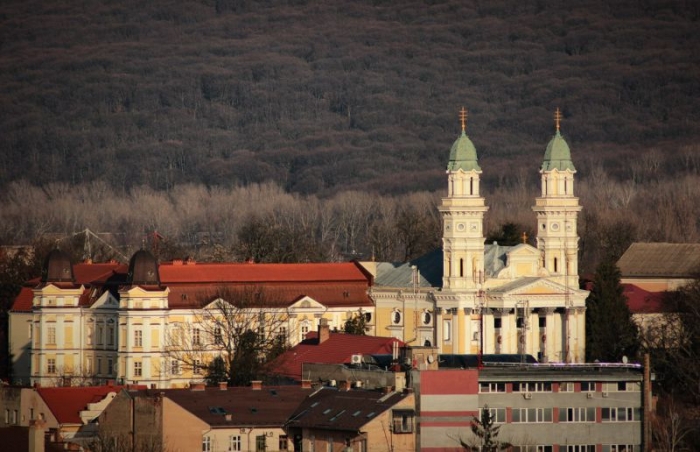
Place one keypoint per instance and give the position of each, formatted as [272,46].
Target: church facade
[471,297]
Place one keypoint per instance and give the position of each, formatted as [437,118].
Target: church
[475,298]
[91,322]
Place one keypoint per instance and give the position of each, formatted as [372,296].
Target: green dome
[463,155]
[557,155]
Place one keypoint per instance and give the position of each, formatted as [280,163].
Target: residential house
[343,419]
[207,419]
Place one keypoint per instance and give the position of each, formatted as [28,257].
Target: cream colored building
[472,297]
[156,323]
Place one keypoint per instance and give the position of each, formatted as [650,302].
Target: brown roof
[269,406]
[333,409]
[677,260]
[66,403]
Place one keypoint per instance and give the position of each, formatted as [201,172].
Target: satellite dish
[624,359]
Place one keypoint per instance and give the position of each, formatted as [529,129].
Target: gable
[306,303]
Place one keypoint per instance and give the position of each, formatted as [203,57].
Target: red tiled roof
[23,301]
[337,349]
[259,273]
[67,403]
[350,294]
[192,284]
[641,301]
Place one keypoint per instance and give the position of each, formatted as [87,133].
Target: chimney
[324,331]
[223,385]
[305,384]
[256,385]
[228,417]
[197,387]
[36,435]
[344,385]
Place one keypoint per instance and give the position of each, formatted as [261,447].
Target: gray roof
[430,267]
[679,260]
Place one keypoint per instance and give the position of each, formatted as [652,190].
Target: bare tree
[242,328]
[671,426]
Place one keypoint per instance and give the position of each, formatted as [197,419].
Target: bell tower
[463,217]
[557,211]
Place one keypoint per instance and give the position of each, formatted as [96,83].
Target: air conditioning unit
[605,394]
[527,396]
[356,359]
[589,395]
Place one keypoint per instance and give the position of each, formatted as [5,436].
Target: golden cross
[524,237]
[557,118]
[463,118]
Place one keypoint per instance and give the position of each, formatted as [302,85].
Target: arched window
[471,185]
[556,265]
[461,267]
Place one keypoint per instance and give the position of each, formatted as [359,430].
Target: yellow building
[160,324]
[471,297]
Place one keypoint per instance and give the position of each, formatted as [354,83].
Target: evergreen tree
[357,324]
[486,432]
[610,331]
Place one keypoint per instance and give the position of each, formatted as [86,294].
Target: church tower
[557,210]
[463,217]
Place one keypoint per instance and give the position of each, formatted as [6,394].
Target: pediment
[307,302]
[106,301]
[138,291]
[523,251]
[531,286]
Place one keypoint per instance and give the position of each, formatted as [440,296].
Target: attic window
[371,414]
[328,410]
[217,410]
[253,410]
[273,392]
[337,415]
[356,413]
[313,405]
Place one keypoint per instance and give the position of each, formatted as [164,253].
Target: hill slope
[326,97]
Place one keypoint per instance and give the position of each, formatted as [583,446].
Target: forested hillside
[325,96]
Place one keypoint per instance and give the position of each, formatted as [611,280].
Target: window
[31,414]
[532,415]
[110,367]
[88,365]
[234,443]
[497,322]
[89,336]
[577,414]
[621,414]
[14,417]
[51,335]
[51,365]
[566,387]
[260,445]
[396,317]
[588,386]
[138,338]
[197,367]
[195,337]
[577,448]
[403,421]
[427,318]
[174,367]
[532,448]
[304,330]
[543,322]
[492,387]
[100,330]
[620,448]
[7,416]
[282,335]
[137,370]
[533,386]
[498,415]
[206,444]
[110,335]
[98,369]
[283,443]
[622,386]
[218,339]
[447,330]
